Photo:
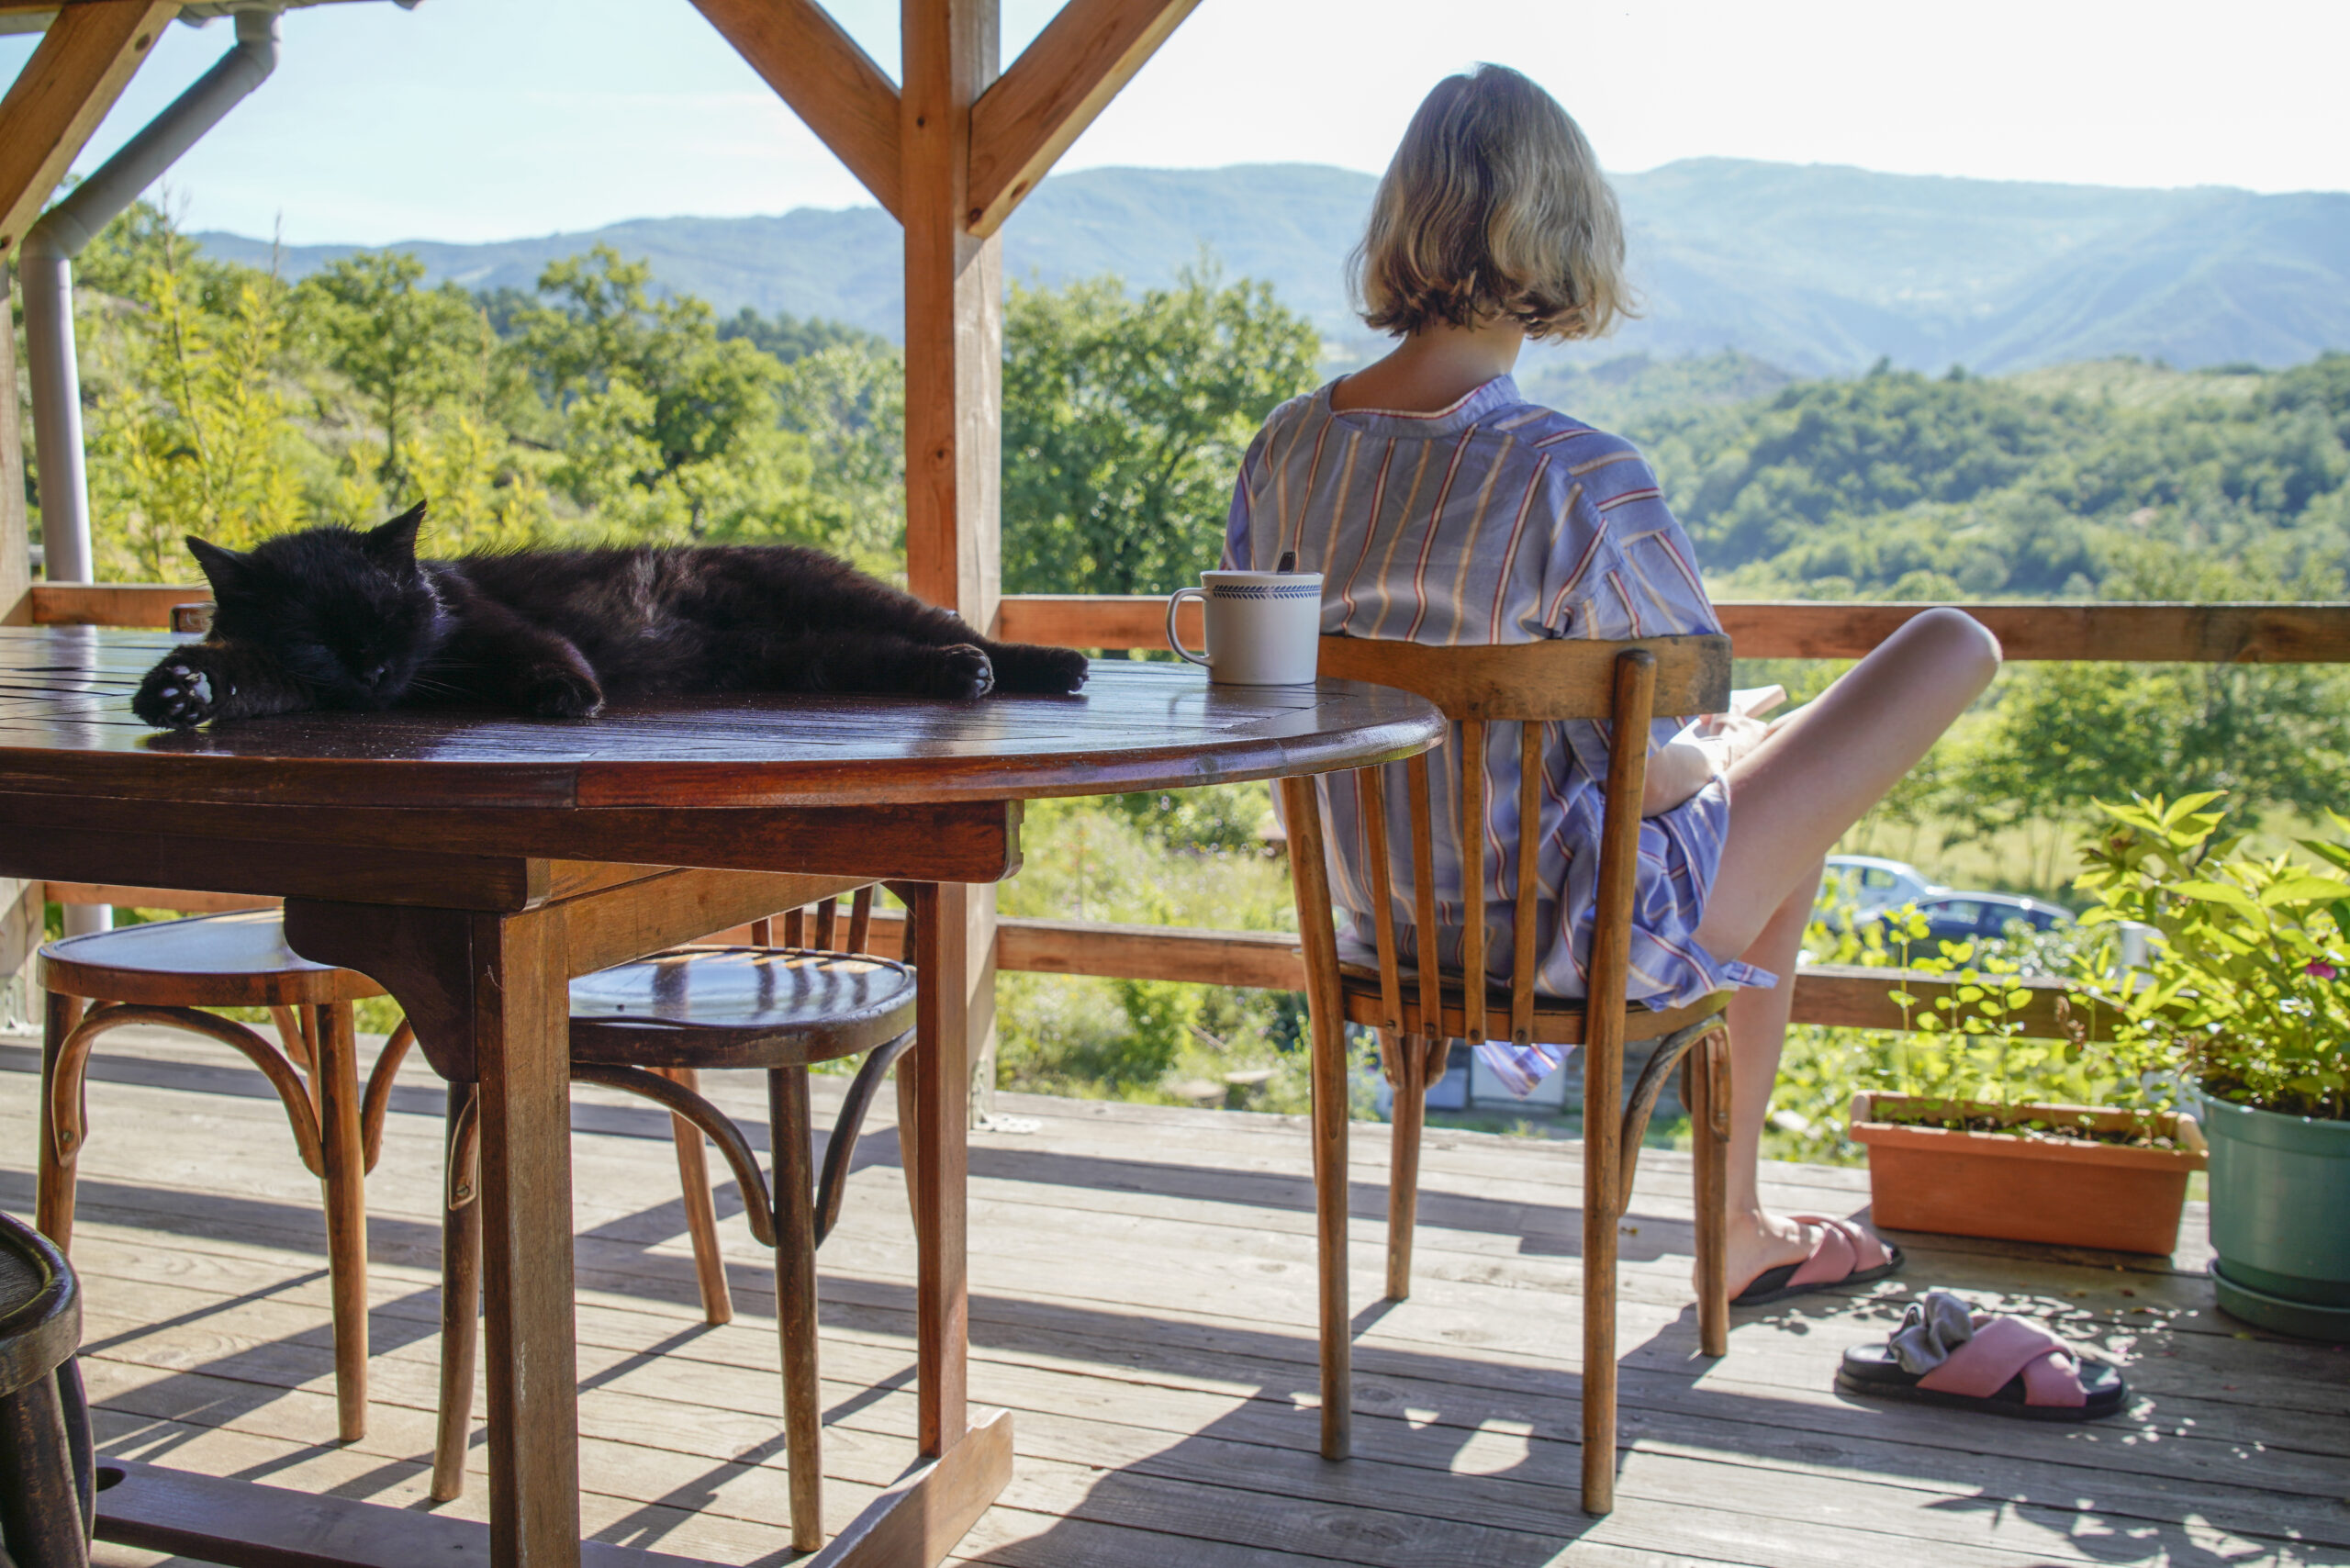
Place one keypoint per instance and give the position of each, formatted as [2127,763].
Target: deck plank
[1142,1302]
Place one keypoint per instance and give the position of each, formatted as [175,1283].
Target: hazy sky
[475,119]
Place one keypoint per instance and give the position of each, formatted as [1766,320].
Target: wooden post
[82,64]
[954,419]
[20,927]
[16,528]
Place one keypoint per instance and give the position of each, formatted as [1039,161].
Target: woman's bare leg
[1791,799]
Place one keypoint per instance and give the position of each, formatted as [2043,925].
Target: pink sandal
[1942,1354]
[1845,1254]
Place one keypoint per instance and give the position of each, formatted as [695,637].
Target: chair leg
[1602,1128]
[460,1316]
[40,1512]
[54,1206]
[795,1291]
[346,1196]
[1410,1058]
[702,1210]
[1707,1070]
[907,1076]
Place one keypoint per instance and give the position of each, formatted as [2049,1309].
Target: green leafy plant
[2248,992]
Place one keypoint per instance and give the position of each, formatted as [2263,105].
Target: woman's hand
[1683,767]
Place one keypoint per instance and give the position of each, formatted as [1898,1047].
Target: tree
[192,430]
[1124,421]
[404,349]
[847,401]
[667,429]
[790,339]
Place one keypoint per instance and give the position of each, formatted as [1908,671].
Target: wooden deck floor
[1142,1292]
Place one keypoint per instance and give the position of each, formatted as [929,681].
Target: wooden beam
[954,317]
[15,526]
[830,82]
[79,67]
[954,422]
[1022,125]
[2149,633]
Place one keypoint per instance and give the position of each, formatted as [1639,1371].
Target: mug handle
[1173,641]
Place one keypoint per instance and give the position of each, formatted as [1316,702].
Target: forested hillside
[1816,269]
[2110,480]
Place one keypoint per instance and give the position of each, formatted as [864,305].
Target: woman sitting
[1441,506]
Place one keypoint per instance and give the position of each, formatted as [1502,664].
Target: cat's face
[347,614]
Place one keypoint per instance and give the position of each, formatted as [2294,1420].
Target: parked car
[1869,886]
[1962,917]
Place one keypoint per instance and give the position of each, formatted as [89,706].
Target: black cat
[334,618]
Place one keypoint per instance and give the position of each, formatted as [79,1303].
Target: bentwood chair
[650,1027]
[167,973]
[48,1478]
[1623,686]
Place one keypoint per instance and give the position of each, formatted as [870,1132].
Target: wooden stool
[161,974]
[47,1497]
[650,1027]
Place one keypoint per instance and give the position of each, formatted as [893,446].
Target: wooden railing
[1263,961]
[1791,629]
[1804,629]
[1852,998]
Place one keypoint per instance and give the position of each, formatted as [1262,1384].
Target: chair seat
[1558,1021]
[739,1007]
[236,959]
[40,1306]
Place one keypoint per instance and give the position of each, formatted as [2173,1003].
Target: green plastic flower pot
[2280,1218]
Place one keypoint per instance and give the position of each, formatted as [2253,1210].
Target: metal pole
[46,268]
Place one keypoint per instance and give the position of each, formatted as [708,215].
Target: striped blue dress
[1495,521]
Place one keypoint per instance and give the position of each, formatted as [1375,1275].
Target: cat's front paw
[963,671]
[178,694]
[563,694]
[1031,666]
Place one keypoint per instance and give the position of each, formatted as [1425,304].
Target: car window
[1955,911]
[1877,877]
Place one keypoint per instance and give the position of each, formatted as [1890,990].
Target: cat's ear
[225,571]
[393,545]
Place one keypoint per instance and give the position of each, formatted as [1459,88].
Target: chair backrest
[1624,685]
[795,926]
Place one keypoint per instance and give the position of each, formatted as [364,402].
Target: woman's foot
[1773,1256]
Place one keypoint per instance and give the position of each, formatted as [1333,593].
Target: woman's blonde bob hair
[1493,206]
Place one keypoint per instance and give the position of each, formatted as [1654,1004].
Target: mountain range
[1816,269]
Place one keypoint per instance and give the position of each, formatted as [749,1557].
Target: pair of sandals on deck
[1942,1353]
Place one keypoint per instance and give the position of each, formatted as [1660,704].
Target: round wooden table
[473,863]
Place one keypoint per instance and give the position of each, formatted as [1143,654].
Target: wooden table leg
[489,994]
[942,1105]
[521,1013]
[1301,814]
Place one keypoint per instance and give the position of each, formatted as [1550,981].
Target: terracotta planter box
[2022,1188]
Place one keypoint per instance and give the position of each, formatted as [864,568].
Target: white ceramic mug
[1264,628]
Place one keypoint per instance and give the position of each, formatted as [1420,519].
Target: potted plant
[2084,1157]
[2248,993]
